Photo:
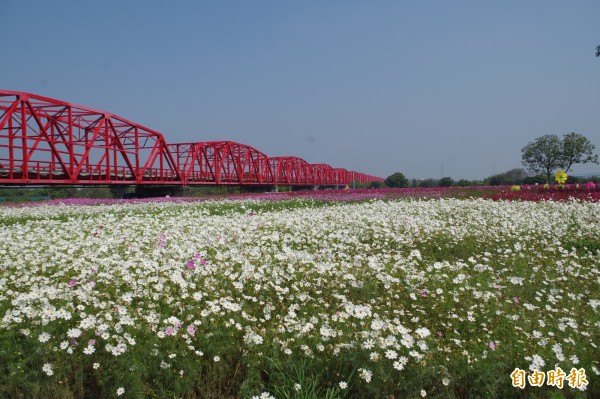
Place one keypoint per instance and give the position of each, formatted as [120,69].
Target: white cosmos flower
[74,333]
[48,369]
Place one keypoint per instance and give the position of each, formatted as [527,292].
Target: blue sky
[422,87]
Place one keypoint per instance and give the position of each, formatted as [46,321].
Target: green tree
[544,154]
[510,177]
[446,182]
[396,180]
[534,180]
[428,183]
[548,152]
[577,149]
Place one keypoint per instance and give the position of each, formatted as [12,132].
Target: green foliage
[544,154]
[534,180]
[446,182]
[58,192]
[428,183]
[375,184]
[577,149]
[396,180]
[548,153]
[508,178]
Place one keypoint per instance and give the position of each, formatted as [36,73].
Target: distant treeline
[512,177]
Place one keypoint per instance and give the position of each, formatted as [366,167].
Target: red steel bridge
[47,141]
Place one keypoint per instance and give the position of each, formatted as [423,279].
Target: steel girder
[291,170]
[50,141]
[221,162]
[47,141]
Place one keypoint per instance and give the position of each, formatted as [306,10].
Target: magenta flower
[198,257]
[492,346]
[191,264]
[424,292]
[72,283]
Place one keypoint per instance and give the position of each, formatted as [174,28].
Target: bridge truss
[47,141]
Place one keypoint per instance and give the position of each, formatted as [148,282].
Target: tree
[446,182]
[428,183]
[544,154]
[510,177]
[396,180]
[534,180]
[577,149]
[598,51]
[375,184]
[548,152]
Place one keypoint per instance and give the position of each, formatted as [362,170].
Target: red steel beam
[48,141]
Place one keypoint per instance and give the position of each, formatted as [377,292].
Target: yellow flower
[560,176]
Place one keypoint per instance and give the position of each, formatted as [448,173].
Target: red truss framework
[47,141]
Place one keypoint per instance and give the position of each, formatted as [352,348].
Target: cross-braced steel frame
[47,141]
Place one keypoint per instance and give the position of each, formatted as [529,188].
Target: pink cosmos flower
[72,283]
[492,346]
[191,330]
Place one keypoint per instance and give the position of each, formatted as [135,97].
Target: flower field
[300,298]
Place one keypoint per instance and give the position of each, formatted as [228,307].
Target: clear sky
[422,87]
